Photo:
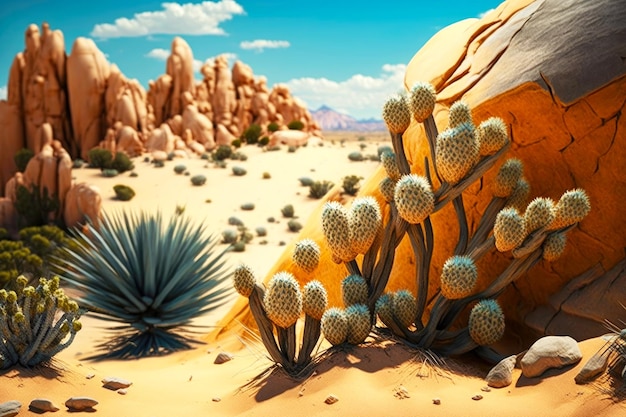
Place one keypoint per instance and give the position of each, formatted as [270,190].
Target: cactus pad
[404,306]
[508,175]
[336,228]
[509,229]
[359,323]
[486,322]
[538,214]
[571,208]
[492,135]
[456,152]
[306,254]
[365,221]
[314,299]
[554,246]
[390,164]
[335,326]
[387,187]
[384,308]
[396,114]
[283,300]
[414,198]
[354,290]
[458,277]
[244,280]
[422,100]
[459,113]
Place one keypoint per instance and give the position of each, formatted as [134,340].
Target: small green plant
[121,162]
[292,148]
[36,323]
[295,125]
[351,184]
[239,171]
[198,180]
[78,163]
[109,173]
[319,188]
[294,226]
[35,206]
[266,175]
[236,143]
[152,276]
[22,157]
[179,169]
[288,211]
[123,192]
[239,156]
[158,163]
[264,141]
[306,181]
[100,158]
[222,152]
[261,231]
[205,156]
[252,134]
[247,206]
[273,127]
[356,156]
[230,236]
[235,221]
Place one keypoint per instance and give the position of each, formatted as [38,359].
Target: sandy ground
[379,378]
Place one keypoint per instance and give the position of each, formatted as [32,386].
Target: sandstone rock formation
[554,71]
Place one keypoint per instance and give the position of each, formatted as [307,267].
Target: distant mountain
[329,119]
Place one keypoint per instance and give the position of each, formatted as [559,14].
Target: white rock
[550,352]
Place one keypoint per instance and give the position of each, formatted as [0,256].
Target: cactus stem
[431,133]
[461,245]
[403,164]
[264,324]
[312,332]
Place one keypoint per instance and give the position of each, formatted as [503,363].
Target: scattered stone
[41,405]
[223,357]
[216,399]
[436,401]
[485,389]
[114,383]
[331,399]
[80,403]
[122,391]
[550,352]
[596,365]
[10,408]
[501,375]
[477,397]
[90,376]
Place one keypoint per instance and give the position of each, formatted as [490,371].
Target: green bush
[295,125]
[273,127]
[288,211]
[179,169]
[319,188]
[264,141]
[266,175]
[123,192]
[239,171]
[252,134]
[35,207]
[78,163]
[109,173]
[305,181]
[294,225]
[37,322]
[356,156]
[22,157]
[236,143]
[239,156]
[100,158]
[247,206]
[351,184]
[222,152]
[152,276]
[122,162]
[198,180]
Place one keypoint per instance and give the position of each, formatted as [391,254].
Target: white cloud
[260,44]
[3,92]
[162,55]
[360,96]
[175,18]
[483,14]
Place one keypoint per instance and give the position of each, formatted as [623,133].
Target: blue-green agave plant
[152,276]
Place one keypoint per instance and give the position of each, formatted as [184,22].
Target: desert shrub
[78,163]
[151,276]
[295,125]
[100,158]
[235,221]
[179,169]
[294,225]
[121,162]
[266,175]
[236,143]
[35,207]
[222,152]
[319,188]
[239,171]
[261,231]
[205,156]
[355,156]
[252,134]
[109,173]
[171,156]
[292,148]
[123,192]
[273,127]
[273,148]
[239,156]
[382,149]
[36,323]
[247,206]
[351,184]
[22,157]
[239,246]
[288,211]
[264,141]
[133,174]
[306,181]
[158,163]
[198,180]
[229,236]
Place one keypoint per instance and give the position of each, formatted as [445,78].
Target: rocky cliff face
[329,119]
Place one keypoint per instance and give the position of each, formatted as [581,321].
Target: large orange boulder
[554,72]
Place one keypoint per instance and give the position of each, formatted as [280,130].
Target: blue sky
[349,55]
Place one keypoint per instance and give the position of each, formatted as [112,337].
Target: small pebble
[216,399]
[80,403]
[42,405]
[223,357]
[485,389]
[114,383]
[477,397]
[10,408]
[122,391]
[436,401]
[331,399]
[90,376]
[402,393]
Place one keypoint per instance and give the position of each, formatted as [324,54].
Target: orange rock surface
[552,71]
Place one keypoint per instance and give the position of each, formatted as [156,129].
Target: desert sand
[377,378]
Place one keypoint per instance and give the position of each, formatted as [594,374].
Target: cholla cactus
[456,152]
[486,322]
[414,198]
[36,323]
[571,208]
[387,188]
[554,246]
[404,307]
[396,114]
[390,165]
[336,228]
[422,100]
[492,136]
[354,290]
[335,326]
[364,221]
[359,323]
[458,277]
[538,214]
[509,230]
[244,280]
[283,300]
[460,113]
[508,175]
[306,255]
